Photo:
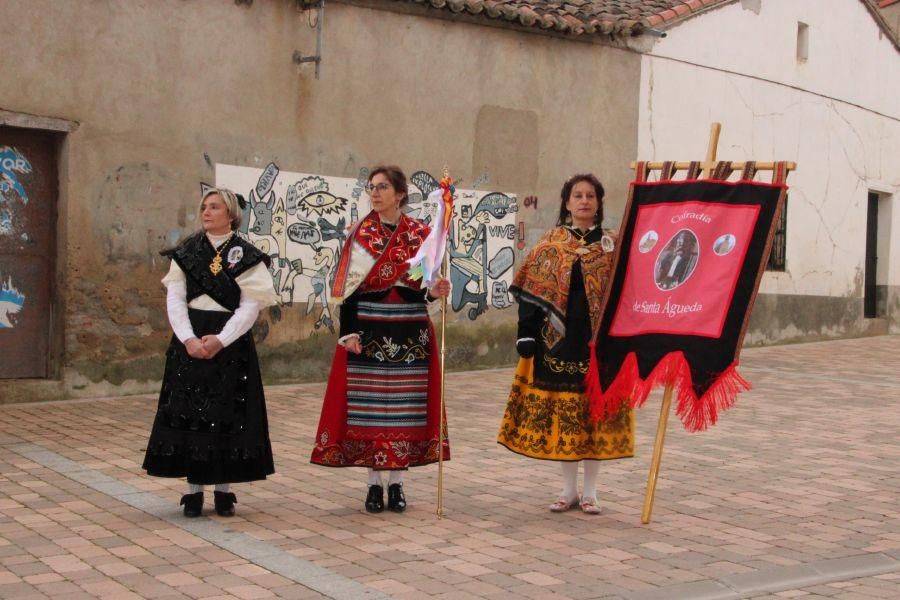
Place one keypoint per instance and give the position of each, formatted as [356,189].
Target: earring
[568,220]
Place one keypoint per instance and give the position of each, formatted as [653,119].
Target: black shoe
[193,504]
[225,502]
[396,498]
[375,499]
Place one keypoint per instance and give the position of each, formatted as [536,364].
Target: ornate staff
[431,258]
[440,490]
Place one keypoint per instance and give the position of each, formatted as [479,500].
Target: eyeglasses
[381,187]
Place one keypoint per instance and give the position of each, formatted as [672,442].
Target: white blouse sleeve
[177,308]
[240,322]
[257,292]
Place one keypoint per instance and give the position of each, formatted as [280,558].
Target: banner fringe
[696,413]
[699,413]
[626,388]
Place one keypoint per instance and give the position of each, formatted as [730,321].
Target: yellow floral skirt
[555,425]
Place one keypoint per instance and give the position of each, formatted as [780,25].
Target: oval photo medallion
[677,260]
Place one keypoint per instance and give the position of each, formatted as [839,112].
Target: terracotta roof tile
[578,17]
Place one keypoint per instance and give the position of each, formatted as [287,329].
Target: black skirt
[211,423]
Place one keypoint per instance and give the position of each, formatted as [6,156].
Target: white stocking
[570,480]
[223,487]
[194,488]
[375,477]
[396,476]
[591,468]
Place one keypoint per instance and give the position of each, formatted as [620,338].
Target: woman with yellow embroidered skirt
[558,288]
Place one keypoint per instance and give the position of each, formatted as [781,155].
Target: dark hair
[397,178]
[567,191]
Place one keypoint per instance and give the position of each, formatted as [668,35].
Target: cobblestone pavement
[795,493]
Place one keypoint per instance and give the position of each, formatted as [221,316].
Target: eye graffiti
[322,203]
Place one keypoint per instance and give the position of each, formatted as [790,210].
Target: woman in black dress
[211,424]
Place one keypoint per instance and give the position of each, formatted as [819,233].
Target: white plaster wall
[837,115]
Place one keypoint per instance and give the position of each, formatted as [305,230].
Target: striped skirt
[387,384]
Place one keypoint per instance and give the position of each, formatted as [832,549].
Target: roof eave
[597,32]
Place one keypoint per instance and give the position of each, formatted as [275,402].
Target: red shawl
[390,250]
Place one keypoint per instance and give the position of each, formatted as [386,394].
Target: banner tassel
[627,388]
[698,414]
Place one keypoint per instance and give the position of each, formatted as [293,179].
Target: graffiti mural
[6,223]
[12,164]
[480,244]
[301,221]
[11,302]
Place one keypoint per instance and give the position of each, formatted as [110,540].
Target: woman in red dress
[382,406]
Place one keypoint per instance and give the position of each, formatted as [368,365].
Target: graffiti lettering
[266,180]
[424,182]
[500,295]
[505,231]
[310,185]
[13,162]
[304,232]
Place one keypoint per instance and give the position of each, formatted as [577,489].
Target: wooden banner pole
[714,130]
[650,495]
[657,454]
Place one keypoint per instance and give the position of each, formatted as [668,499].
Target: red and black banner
[690,257]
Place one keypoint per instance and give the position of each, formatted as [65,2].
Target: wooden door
[28,195]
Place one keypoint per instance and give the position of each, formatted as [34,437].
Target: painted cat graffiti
[11,303]
[301,221]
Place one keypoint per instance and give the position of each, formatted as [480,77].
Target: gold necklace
[215,266]
[580,237]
